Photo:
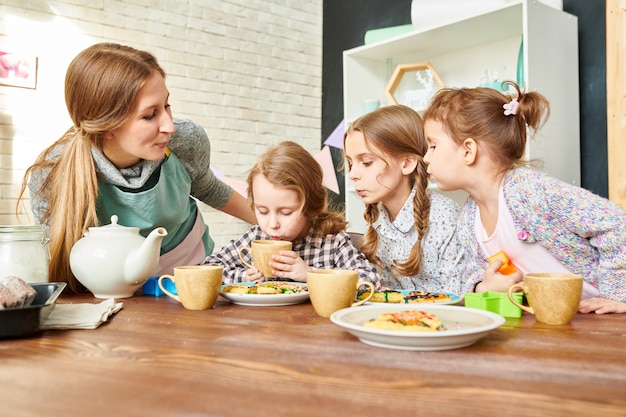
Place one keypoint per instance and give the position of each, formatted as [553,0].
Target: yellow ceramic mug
[553,297]
[331,290]
[262,251]
[197,285]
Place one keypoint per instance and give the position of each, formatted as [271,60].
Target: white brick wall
[248,71]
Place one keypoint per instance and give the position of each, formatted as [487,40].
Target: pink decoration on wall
[336,138]
[240,186]
[325,159]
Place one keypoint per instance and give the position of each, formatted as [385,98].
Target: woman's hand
[289,265]
[601,306]
[495,281]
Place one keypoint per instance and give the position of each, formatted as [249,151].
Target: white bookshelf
[461,51]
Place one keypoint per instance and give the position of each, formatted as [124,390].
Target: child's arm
[601,306]
[228,257]
[289,265]
[495,281]
[595,227]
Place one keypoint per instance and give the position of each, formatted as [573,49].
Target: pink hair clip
[511,107]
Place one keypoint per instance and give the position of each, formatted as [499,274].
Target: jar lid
[8,233]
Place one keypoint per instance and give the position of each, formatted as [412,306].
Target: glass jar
[24,253]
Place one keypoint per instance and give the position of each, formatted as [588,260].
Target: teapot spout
[143,260]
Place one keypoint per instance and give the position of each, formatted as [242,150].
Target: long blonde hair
[396,130]
[101,87]
[288,165]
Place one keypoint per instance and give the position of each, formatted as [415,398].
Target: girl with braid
[411,234]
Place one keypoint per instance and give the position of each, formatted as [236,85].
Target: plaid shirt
[319,252]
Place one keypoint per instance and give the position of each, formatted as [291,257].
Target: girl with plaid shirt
[290,202]
[477,137]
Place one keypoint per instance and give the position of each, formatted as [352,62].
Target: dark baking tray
[25,321]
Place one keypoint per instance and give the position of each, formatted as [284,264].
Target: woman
[125,155]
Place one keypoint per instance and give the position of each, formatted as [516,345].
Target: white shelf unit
[460,52]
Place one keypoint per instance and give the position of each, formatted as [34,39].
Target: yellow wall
[616,99]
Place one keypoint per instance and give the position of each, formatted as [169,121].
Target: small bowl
[496,302]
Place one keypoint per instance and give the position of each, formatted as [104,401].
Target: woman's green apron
[167,204]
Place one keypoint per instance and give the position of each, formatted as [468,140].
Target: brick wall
[248,71]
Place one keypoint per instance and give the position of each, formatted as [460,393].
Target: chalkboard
[345,24]
[592,86]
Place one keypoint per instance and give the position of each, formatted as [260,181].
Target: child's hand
[495,281]
[253,275]
[601,306]
[289,265]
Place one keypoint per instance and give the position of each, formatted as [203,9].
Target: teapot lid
[114,227]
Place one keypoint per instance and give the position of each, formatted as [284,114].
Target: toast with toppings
[270,287]
[415,297]
[399,297]
[395,297]
[407,321]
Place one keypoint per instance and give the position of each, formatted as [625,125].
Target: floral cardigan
[585,232]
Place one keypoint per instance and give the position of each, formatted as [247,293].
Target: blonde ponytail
[72,203]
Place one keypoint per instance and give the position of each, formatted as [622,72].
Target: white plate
[465,326]
[265,300]
[454,299]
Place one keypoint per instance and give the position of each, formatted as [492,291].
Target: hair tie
[511,107]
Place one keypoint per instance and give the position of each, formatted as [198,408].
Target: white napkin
[81,316]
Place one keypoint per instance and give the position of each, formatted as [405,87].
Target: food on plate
[15,293]
[383,296]
[406,297]
[406,321]
[237,289]
[426,297]
[269,287]
[507,266]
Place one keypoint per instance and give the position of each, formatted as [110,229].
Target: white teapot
[113,261]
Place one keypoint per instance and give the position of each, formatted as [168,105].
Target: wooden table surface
[154,358]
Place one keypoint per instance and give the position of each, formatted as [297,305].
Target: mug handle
[510,294]
[372,290]
[248,248]
[169,294]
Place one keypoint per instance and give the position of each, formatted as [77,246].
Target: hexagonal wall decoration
[413,85]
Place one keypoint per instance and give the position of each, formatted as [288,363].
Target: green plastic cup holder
[496,302]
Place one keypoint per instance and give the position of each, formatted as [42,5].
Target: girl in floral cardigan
[477,138]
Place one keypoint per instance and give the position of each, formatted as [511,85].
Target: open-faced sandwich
[269,287]
[426,297]
[406,321]
[383,297]
[404,297]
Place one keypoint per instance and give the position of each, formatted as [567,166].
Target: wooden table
[155,358]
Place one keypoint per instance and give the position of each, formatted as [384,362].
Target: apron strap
[190,251]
